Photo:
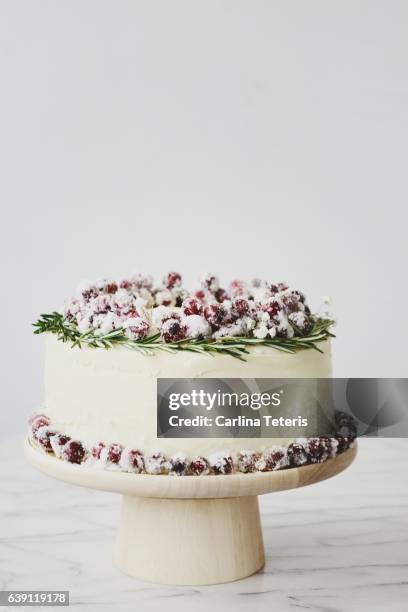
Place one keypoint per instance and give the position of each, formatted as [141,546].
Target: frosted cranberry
[273,288]
[136,461]
[96,450]
[111,288]
[178,466]
[192,306]
[37,421]
[73,451]
[173,330]
[199,466]
[200,295]
[114,452]
[283,286]
[241,306]
[60,439]
[173,279]
[90,293]
[125,284]
[272,308]
[221,295]
[247,461]
[297,454]
[136,328]
[318,450]
[211,283]
[291,301]
[215,314]
[237,288]
[222,464]
[43,435]
[276,458]
[343,443]
[346,426]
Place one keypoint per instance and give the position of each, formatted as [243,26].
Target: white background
[247,138]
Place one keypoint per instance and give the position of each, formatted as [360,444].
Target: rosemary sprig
[237,347]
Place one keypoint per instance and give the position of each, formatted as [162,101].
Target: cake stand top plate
[187,487]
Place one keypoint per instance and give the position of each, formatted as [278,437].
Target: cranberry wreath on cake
[111,342]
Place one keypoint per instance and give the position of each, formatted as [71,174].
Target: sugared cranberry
[276,458]
[241,306]
[156,463]
[192,306]
[283,286]
[317,449]
[297,454]
[200,295]
[221,296]
[173,330]
[136,328]
[272,308]
[132,461]
[216,315]
[73,451]
[222,464]
[173,279]
[237,288]
[178,465]
[346,426]
[343,443]
[96,450]
[199,466]
[43,435]
[114,452]
[291,301]
[210,282]
[247,461]
[38,420]
[111,288]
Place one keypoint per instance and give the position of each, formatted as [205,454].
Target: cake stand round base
[189,541]
[189,530]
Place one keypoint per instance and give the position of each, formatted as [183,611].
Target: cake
[111,342]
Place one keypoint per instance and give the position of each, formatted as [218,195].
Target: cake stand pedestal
[191,530]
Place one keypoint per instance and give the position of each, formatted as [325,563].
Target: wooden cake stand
[189,530]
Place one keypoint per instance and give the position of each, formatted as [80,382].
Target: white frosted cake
[113,340]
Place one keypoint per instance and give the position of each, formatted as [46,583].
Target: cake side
[111,395]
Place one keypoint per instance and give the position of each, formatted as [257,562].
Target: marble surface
[340,545]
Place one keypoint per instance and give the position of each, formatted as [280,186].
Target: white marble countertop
[340,545]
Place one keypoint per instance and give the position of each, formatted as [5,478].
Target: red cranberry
[173,279]
[96,450]
[241,306]
[297,454]
[173,330]
[192,306]
[38,420]
[73,451]
[215,314]
[114,453]
[199,466]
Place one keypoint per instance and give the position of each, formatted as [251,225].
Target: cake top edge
[137,313]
